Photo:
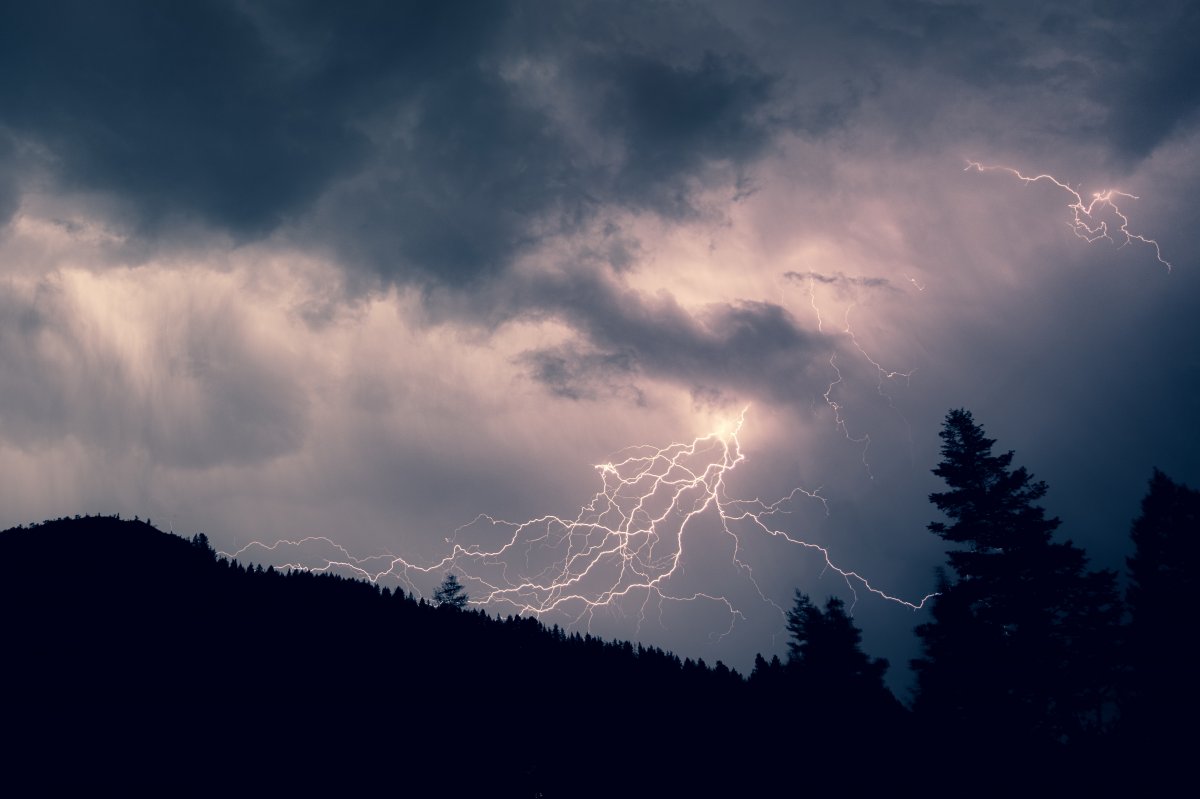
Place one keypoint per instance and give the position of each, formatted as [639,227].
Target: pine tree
[1166,539]
[1006,654]
[829,672]
[451,593]
[1162,694]
[825,646]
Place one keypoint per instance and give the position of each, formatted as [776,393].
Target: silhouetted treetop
[1015,649]
[1162,695]
[992,507]
[451,593]
[825,646]
[1166,539]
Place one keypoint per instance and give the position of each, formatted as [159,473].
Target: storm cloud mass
[367,271]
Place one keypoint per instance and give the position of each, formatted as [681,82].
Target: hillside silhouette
[134,652]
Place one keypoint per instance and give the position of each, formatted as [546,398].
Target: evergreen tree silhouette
[1162,694]
[825,648]
[835,682]
[451,593]
[1010,655]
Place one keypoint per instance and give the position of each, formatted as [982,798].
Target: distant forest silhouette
[141,660]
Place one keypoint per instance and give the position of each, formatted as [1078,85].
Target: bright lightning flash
[624,549]
[1084,216]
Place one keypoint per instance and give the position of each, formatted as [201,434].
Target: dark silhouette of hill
[139,659]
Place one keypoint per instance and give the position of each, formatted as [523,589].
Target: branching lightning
[883,375]
[626,548]
[865,439]
[1084,220]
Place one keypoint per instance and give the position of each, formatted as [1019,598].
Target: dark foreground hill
[134,658]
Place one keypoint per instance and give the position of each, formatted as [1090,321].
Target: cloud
[10,197]
[457,194]
[422,143]
[1151,90]
[484,171]
[673,121]
[437,145]
[580,373]
[180,113]
[135,364]
[736,350]
[840,280]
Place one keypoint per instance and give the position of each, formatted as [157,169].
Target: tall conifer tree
[1010,650]
[1163,694]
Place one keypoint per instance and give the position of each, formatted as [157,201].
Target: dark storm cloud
[732,350]
[840,280]
[178,109]
[1117,76]
[456,197]
[436,162]
[860,47]
[1152,89]
[484,172]
[580,373]
[672,120]
[242,115]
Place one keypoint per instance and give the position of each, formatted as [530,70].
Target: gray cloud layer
[436,144]
[435,134]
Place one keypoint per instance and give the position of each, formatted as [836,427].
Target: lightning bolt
[883,375]
[625,548]
[1084,221]
[840,422]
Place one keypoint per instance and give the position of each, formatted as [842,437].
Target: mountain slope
[134,655]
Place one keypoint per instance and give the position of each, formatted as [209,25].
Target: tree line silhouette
[142,659]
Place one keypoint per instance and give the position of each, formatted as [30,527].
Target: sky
[284,270]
